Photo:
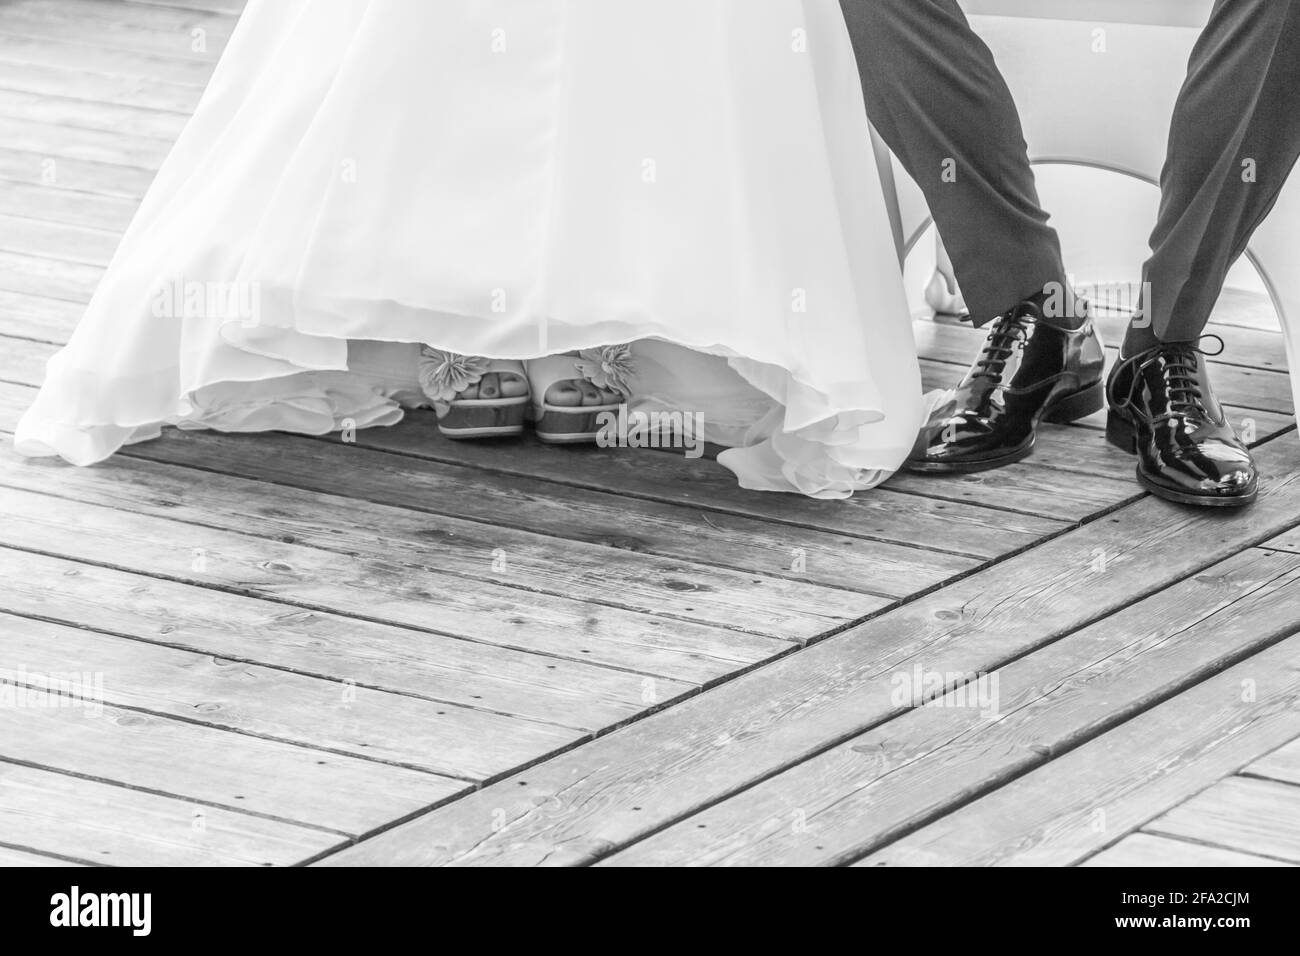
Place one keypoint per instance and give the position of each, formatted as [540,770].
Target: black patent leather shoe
[1163,410]
[1028,371]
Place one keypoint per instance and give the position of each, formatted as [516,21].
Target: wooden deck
[410,651]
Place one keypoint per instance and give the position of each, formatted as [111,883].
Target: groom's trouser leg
[1234,139]
[936,97]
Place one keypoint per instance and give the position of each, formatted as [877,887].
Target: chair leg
[1275,247]
[942,294]
[889,186]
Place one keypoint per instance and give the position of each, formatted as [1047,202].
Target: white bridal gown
[511,178]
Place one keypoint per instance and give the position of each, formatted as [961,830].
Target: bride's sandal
[475,397]
[572,391]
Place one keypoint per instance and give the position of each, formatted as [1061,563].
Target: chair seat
[1170,13]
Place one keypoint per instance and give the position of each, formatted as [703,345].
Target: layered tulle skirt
[513,178]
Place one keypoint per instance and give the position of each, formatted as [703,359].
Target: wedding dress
[513,178]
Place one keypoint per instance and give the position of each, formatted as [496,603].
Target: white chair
[1095,82]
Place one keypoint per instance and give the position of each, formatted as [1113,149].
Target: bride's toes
[513,386]
[579,393]
[489,386]
[590,393]
[566,394]
[469,394]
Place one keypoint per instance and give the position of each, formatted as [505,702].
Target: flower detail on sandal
[609,366]
[444,375]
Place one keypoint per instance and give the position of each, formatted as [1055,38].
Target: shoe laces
[1007,330]
[1181,364]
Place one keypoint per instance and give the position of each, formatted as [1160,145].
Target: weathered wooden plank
[34,317]
[630,783]
[165,17]
[65,207]
[725,555]
[1082,451]
[1028,490]
[85,145]
[335,516]
[1035,493]
[878,568]
[198,763]
[234,7]
[1250,347]
[104,179]
[1024,488]
[166,32]
[858,795]
[315,643]
[163,125]
[18,49]
[22,361]
[725,534]
[1144,849]
[52,240]
[1081,802]
[1282,764]
[10,857]
[1252,816]
[1247,309]
[389,591]
[879,515]
[1290,541]
[444,739]
[110,825]
[51,278]
[792,560]
[892,572]
[68,81]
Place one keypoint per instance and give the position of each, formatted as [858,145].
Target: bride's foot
[571,392]
[475,397]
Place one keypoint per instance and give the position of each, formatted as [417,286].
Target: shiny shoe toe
[1164,411]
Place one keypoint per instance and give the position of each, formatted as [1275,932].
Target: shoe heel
[1076,406]
[1121,434]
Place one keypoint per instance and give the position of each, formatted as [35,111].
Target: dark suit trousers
[1234,140]
[935,95]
